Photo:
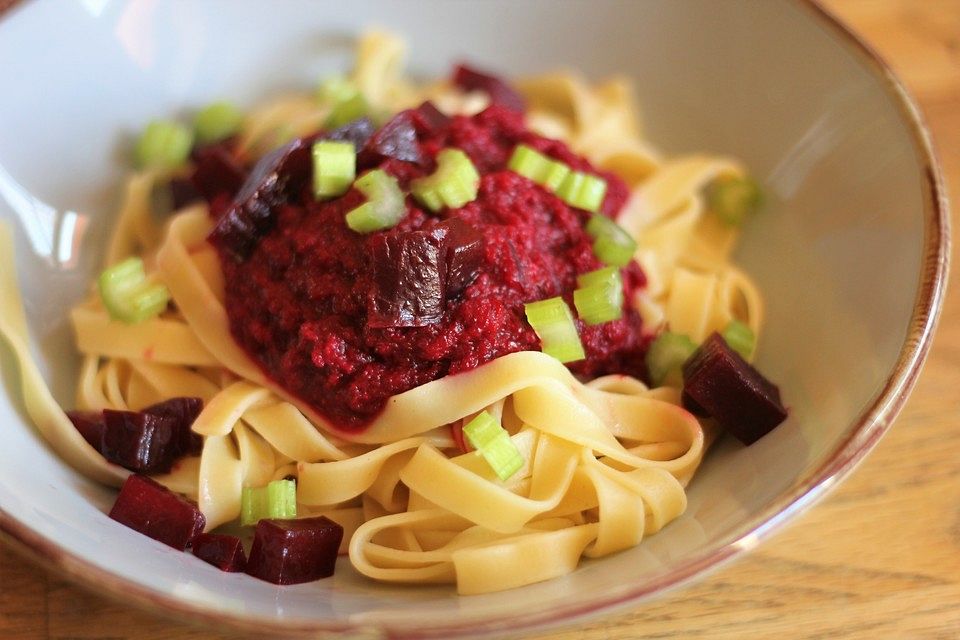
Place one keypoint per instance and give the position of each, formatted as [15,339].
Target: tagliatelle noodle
[606,461]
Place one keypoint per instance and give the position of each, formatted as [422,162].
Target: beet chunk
[358,132]
[222,551]
[140,441]
[251,215]
[150,508]
[90,425]
[294,551]
[396,139]
[429,120]
[501,93]
[217,171]
[184,410]
[409,280]
[730,390]
[463,253]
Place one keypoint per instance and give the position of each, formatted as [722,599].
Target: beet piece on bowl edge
[222,551]
[733,392]
[146,506]
[294,551]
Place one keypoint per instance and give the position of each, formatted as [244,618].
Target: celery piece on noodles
[493,443]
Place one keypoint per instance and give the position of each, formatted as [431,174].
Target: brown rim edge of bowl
[862,436]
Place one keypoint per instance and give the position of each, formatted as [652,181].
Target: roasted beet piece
[184,410]
[251,216]
[358,132]
[463,252]
[140,441]
[728,389]
[409,280]
[217,171]
[429,120]
[90,425]
[396,139]
[222,551]
[500,92]
[150,508]
[294,551]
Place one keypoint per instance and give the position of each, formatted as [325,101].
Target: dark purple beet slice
[501,93]
[730,390]
[409,280]
[396,139]
[429,120]
[184,411]
[691,405]
[294,551]
[251,215]
[222,551]
[150,508]
[463,252]
[217,172]
[182,193]
[90,425]
[139,441]
[358,132]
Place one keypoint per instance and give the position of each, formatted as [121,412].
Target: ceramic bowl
[851,255]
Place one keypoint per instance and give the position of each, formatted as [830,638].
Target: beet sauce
[298,303]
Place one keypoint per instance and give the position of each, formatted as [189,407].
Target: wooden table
[880,558]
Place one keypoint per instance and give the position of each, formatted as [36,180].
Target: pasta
[606,461]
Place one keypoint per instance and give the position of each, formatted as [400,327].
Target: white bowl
[851,254]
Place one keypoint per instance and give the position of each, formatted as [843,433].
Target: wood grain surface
[879,558]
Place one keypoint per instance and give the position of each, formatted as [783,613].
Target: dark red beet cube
[358,132]
[217,171]
[150,508]
[294,551]
[251,215]
[90,425]
[140,441]
[184,411]
[409,280]
[463,247]
[429,120]
[396,139]
[222,551]
[500,92]
[731,391]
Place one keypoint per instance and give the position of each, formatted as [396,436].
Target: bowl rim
[861,436]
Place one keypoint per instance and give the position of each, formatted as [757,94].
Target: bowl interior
[837,253]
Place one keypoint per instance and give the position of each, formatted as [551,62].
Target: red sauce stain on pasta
[298,304]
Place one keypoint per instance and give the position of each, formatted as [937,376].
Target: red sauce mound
[298,303]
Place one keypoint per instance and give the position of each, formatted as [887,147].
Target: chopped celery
[600,276]
[217,121]
[128,295]
[344,99]
[453,184]
[611,244]
[385,204]
[602,300]
[493,443]
[666,356]
[163,145]
[334,168]
[543,170]
[553,323]
[583,191]
[277,500]
[734,198]
[740,338]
